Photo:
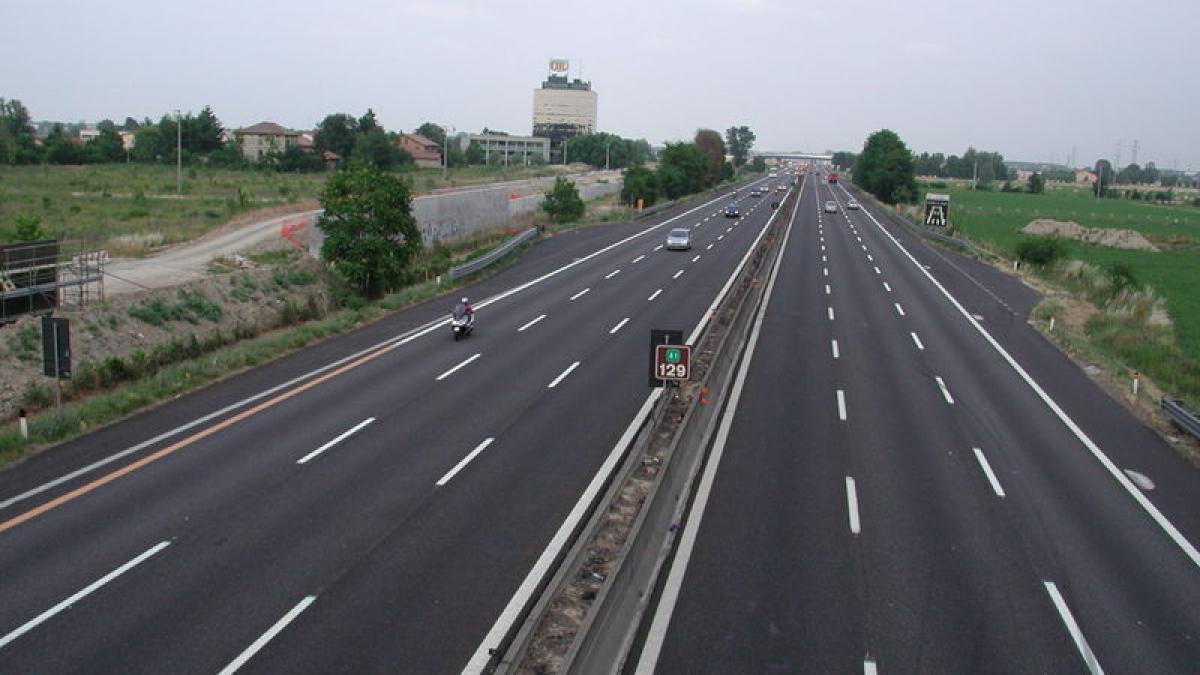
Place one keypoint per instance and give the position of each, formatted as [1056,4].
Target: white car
[680,239]
[831,207]
[852,205]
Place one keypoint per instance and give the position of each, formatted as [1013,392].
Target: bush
[1041,251]
[1120,277]
[562,202]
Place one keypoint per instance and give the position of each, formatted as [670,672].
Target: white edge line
[674,583]
[266,637]
[987,471]
[869,667]
[340,437]
[530,324]
[563,375]
[464,461]
[455,369]
[394,341]
[87,590]
[1188,549]
[852,505]
[1085,650]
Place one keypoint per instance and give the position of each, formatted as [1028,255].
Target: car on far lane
[680,239]
[831,207]
[852,205]
[781,188]
[731,211]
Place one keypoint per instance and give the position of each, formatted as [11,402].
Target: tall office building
[563,107]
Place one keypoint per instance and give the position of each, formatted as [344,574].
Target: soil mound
[1115,238]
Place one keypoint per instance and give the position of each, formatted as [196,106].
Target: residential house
[425,153]
[264,138]
[1083,176]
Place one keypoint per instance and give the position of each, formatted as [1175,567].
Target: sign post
[669,339]
[56,354]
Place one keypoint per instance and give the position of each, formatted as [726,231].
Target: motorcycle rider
[464,308]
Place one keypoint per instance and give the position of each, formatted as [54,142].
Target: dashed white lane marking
[987,471]
[678,274]
[870,258]
[563,375]
[836,353]
[886,287]
[530,324]
[340,437]
[877,271]
[653,295]
[696,258]
[826,271]
[464,461]
[1085,650]
[267,636]
[841,403]
[945,391]
[828,290]
[824,259]
[917,342]
[638,259]
[852,503]
[709,247]
[720,237]
[899,309]
[830,313]
[869,667]
[620,324]
[87,590]
[612,274]
[580,294]
[455,369]
[864,248]
[658,248]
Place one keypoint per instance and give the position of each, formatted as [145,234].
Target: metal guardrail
[919,230]
[494,255]
[1187,420]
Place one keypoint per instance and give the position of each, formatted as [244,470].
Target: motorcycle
[461,323]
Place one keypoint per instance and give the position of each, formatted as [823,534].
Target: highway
[372,504]
[893,490]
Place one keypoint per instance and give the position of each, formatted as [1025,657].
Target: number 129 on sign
[672,362]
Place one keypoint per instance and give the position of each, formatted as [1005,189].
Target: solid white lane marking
[612,274]
[638,259]
[1081,643]
[987,471]
[852,503]
[87,590]
[455,369]
[709,247]
[945,391]
[657,633]
[1167,526]
[464,461]
[678,274]
[341,437]
[841,405]
[830,313]
[267,636]
[899,309]
[869,667]
[696,258]
[827,289]
[531,323]
[917,342]
[658,248]
[836,354]
[562,376]
[886,287]
[580,294]
[877,271]
[617,327]
[653,295]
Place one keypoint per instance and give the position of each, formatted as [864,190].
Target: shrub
[1120,277]
[1041,251]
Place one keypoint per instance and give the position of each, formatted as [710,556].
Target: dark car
[731,211]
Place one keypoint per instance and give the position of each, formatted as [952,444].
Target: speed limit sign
[672,362]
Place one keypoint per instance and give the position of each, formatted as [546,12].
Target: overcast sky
[1029,78]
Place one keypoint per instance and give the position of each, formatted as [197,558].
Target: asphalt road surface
[371,504]
[895,496]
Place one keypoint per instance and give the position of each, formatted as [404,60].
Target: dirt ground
[1112,237]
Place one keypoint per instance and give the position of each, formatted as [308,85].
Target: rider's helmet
[464,301]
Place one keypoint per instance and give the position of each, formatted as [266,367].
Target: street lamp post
[446,131]
[178,152]
[606,147]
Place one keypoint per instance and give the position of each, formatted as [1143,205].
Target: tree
[229,156]
[681,169]
[61,150]
[640,183]
[202,133]
[1150,174]
[295,160]
[433,132]
[378,149]
[474,154]
[562,202]
[713,147]
[885,168]
[130,124]
[640,152]
[844,161]
[106,125]
[370,233]
[146,141]
[336,134]
[105,148]
[759,165]
[600,150]
[1104,177]
[1037,184]
[740,140]
[367,123]
[16,134]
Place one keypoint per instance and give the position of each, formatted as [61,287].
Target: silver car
[831,207]
[852,205]
[680,239]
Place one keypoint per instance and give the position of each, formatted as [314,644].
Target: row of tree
[687,168]
[603,150]
[984,167]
